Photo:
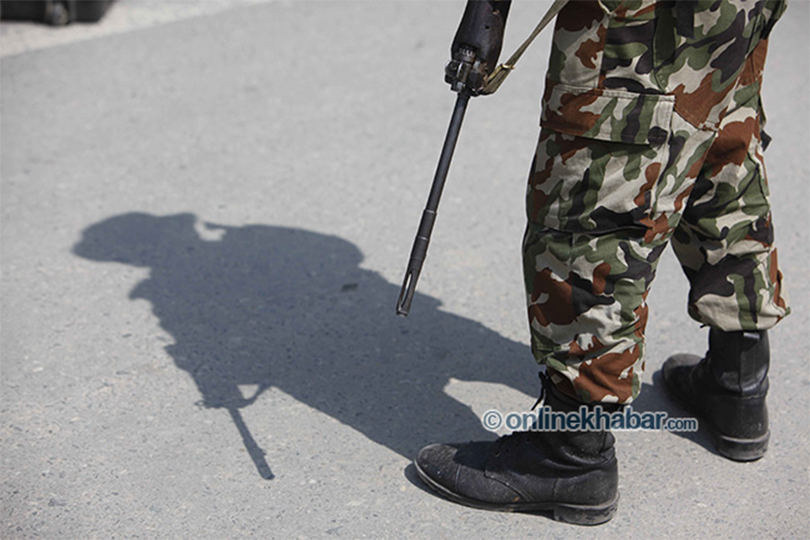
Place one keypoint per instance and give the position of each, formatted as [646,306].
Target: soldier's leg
[587,309]
[606,187]
[725,243]
[600,213]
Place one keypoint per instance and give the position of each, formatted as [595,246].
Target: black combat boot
[727,388]
[571,474]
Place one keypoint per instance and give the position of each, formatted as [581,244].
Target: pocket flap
[607,115]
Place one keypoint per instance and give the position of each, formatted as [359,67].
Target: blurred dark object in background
[54,12]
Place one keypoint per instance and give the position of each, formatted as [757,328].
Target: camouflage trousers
[651,134]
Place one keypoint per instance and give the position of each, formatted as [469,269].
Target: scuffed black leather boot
[573,475]
[727,388]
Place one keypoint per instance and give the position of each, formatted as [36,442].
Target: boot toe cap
[437,462]
[458,472]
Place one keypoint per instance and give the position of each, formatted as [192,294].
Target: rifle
[422,240]
[492,82]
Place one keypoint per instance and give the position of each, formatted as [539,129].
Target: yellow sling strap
[496,78]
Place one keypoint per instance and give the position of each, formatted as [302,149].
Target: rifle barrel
[422,240]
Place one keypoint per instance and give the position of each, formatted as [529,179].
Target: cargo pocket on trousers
[600,155]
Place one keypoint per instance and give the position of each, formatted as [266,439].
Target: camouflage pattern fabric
[651,134]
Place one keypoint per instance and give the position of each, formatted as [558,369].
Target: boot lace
[545,383]
[507,442]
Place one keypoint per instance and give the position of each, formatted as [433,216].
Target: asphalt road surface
[207,208]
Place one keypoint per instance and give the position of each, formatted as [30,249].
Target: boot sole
[729,447]
[576,514]
[741,449]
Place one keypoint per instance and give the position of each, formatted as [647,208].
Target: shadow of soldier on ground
[292,309]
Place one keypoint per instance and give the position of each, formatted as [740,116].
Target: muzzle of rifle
[418,254]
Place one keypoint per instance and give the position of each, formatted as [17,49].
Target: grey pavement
[206,212]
